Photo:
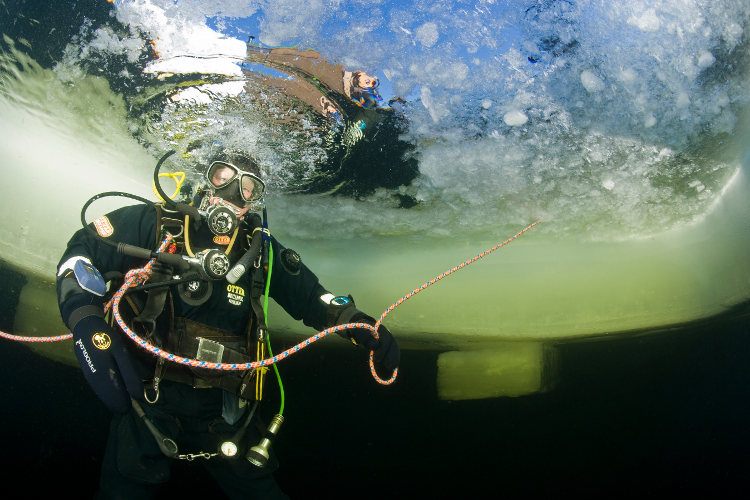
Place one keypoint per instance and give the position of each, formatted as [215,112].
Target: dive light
[258,454]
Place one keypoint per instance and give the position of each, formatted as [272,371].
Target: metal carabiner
[155,387]
[192,456]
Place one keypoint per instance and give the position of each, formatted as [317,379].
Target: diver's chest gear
[195,292]
[190,338]
[220,219]
[236,303]
[195,340]
[212,264]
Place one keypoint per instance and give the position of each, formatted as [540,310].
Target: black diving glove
[385,346]
[342,310]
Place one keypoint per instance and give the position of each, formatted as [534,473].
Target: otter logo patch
[104,227]
[222,240]
[101,341]
[235,294]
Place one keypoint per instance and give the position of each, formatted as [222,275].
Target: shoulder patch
[104,227]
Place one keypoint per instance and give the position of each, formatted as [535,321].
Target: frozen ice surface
[531,109]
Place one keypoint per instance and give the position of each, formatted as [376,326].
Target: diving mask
[236,186]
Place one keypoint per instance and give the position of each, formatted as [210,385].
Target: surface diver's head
[364,81]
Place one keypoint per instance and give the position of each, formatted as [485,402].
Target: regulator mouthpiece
[221,220]
[258,454]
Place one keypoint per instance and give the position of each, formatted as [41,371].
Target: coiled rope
[139,276]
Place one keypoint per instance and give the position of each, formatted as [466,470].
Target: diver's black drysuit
[197,408]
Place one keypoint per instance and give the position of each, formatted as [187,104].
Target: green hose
[268,338]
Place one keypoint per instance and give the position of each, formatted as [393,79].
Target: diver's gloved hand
[160,272]
[385,346]
[106,364]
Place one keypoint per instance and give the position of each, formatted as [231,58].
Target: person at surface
[357,86]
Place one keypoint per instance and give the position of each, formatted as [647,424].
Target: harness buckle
[209,351]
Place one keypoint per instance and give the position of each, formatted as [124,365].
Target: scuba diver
[206,303]
[366,144]
[363,90]
[357,86]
